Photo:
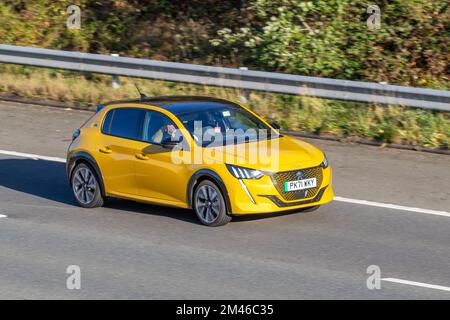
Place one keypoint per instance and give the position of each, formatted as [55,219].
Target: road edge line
[32,156]
[336,198]
[392,206]
[417,284]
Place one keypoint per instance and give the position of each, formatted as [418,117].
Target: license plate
[300,184]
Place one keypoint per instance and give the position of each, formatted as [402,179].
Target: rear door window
[124,123]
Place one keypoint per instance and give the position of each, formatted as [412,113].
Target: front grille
[282,204]
[279,178]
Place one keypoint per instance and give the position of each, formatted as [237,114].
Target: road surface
[129,250]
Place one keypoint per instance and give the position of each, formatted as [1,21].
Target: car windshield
[225,124]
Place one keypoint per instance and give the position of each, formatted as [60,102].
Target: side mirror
[171,143]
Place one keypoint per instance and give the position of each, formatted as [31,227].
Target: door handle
[142,156]
[105,150]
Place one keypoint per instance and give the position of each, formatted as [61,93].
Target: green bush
[326,38]
[330,38]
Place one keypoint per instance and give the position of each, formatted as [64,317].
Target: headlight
[244,173]
[324,163]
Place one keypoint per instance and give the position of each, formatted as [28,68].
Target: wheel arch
[84,157]
[206,174]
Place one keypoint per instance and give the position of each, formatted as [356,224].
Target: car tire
[209,204]
[309,209]
[86,187]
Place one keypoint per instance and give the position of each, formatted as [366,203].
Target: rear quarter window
[107,122]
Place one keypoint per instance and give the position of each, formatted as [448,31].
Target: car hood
[279,154]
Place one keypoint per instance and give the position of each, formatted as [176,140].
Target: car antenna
[141,95]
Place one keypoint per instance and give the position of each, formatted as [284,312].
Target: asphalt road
[139,251]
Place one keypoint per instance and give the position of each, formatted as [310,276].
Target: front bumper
[261,196]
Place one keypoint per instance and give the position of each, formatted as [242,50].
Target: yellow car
[211,155]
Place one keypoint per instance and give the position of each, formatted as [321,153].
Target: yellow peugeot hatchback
[211,155]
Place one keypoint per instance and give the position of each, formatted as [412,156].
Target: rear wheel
[209,205]
[85,187]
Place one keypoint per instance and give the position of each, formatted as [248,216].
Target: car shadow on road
[262,216]
[47,179]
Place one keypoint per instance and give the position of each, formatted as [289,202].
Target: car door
[117,150]
[158,177]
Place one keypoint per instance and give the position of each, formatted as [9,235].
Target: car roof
[180,104]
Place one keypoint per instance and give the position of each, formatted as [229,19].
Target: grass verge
[349,120]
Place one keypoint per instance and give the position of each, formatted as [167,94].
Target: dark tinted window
[228,124]
[157,127]
[125,123]
[107,122]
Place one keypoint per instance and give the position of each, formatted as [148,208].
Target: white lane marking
[393,206]
[31,156]
[3,216]
[341,199]
[417,284]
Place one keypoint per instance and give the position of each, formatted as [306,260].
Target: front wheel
[209,205]
[85,187]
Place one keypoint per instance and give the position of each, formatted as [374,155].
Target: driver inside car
[166,131]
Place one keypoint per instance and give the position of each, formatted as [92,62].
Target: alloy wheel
[208,203]
[84,185]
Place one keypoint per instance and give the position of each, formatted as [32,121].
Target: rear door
[117,150]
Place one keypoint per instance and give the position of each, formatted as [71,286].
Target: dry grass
[392,124]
